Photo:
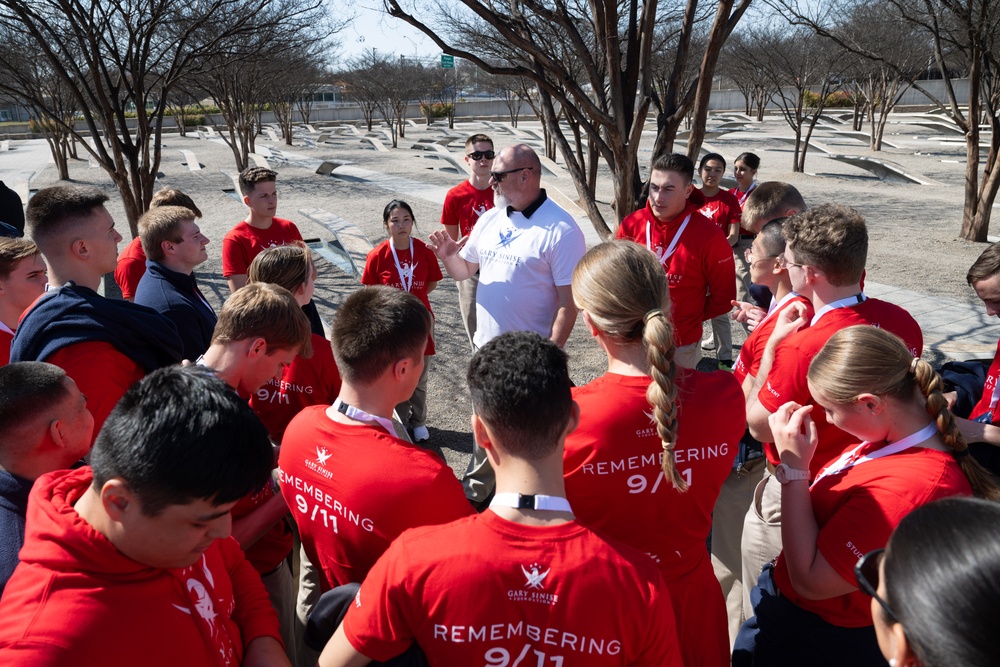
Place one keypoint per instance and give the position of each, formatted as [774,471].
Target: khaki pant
[727,534]
[281,587]
[761,534]
[413,412]
[722,334]
[688,356]
[307,597]
[742,269]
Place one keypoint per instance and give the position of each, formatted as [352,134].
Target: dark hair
[28,390]
[179,435]
[375,327]
[769,201]
[986,265]
[677,162]
[53,210]
[521,389]
[711,156]
[251,176]
[478,139]
[772,238]
[832,238]
[942,579]
[392,206]
[749,159]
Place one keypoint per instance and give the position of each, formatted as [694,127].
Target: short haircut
[676,162]
[768,201]
[54,211]
[12,251]
[376,326]
[159,224]
[173,197]
[478,138]
[832,238]
[29,390]
[251,176]
[521,389]
[772,238]
[986,265]
[262,310]
[179,435]
[288,266]
[711,156]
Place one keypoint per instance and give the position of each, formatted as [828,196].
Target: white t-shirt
[521,261]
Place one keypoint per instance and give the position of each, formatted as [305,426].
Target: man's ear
[117,499]
[257,348]
[688,190]
[78,247]
[246,200]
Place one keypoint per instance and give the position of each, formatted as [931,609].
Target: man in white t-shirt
[525,250]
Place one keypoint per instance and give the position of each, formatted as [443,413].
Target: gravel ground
[913,228]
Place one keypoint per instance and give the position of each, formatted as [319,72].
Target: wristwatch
[785,474]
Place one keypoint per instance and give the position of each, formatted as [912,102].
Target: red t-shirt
[6,338]
[722,208]
[787,379]
[752,351]
[464,204]
[130,268]
[988,402]
[858,508]
[484,590]
[313,381]
[242,243]
[273,546]
[380,269]
[352,489]
[615,485]
[101,372]
[701,271]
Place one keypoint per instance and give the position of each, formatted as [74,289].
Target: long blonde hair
[624,291]
[866,359]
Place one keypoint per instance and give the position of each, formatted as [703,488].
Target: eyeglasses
[866,572]
[748,256]
[784,263]
[481,155]
[498,176]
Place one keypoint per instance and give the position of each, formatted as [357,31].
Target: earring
[892,662]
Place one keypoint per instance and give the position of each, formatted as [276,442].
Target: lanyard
[357,414]
[521,501]
[849,301]
[4,327]
[673,243]
[399,269]
[852,458]
[743,195]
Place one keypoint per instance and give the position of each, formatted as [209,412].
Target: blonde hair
[262,310]
[159,224]
[624,291]
[866,359]
[290,266]
[12,251]
[173,197]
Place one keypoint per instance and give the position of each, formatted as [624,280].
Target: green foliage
[437,110]
[836,99]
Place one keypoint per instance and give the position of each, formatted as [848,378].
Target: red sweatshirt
[701,271]
[76,600]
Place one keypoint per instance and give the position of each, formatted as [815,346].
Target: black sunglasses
[498,176]
[481,155]
[866,572]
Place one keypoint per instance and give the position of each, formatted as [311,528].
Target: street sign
[447,62]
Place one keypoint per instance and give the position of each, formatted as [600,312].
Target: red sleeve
[662,645]
[128,272]
[329,373]
[720,268]
[369,276]
[787,379]
[101,372]
[863,522]
[448,215]
[433,268]
[252,611]
[376,624]
[234,255]
[5,340]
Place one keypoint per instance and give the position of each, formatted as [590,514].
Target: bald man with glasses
[525,250]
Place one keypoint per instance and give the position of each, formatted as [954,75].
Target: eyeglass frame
[481,155]
[784,263]
[499,176]
[748,256]
[866,586]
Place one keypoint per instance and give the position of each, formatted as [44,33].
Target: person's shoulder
[463,189]
[238,231]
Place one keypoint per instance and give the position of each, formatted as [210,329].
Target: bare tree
[120,56]
[507,90]
[299,72]
[610,44]
[739,63]
[362,85]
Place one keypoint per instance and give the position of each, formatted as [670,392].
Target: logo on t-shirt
[535,578]
[479,210]
[651,429]
[507,237]
[322,454]
[407,270]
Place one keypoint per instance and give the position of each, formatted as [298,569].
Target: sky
[373,28]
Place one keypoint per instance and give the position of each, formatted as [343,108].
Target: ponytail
[930,384]
[658,335]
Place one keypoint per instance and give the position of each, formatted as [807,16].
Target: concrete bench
[259,160]
[883,169]
[376,144]
[350,247]
[190,160]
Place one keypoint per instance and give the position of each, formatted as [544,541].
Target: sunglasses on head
[481,155]
[866,572]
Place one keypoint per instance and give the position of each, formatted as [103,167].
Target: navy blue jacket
[175,296]
[13,508]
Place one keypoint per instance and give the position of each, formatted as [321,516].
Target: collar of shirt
[530,208]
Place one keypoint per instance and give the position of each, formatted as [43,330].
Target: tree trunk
[972,218]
